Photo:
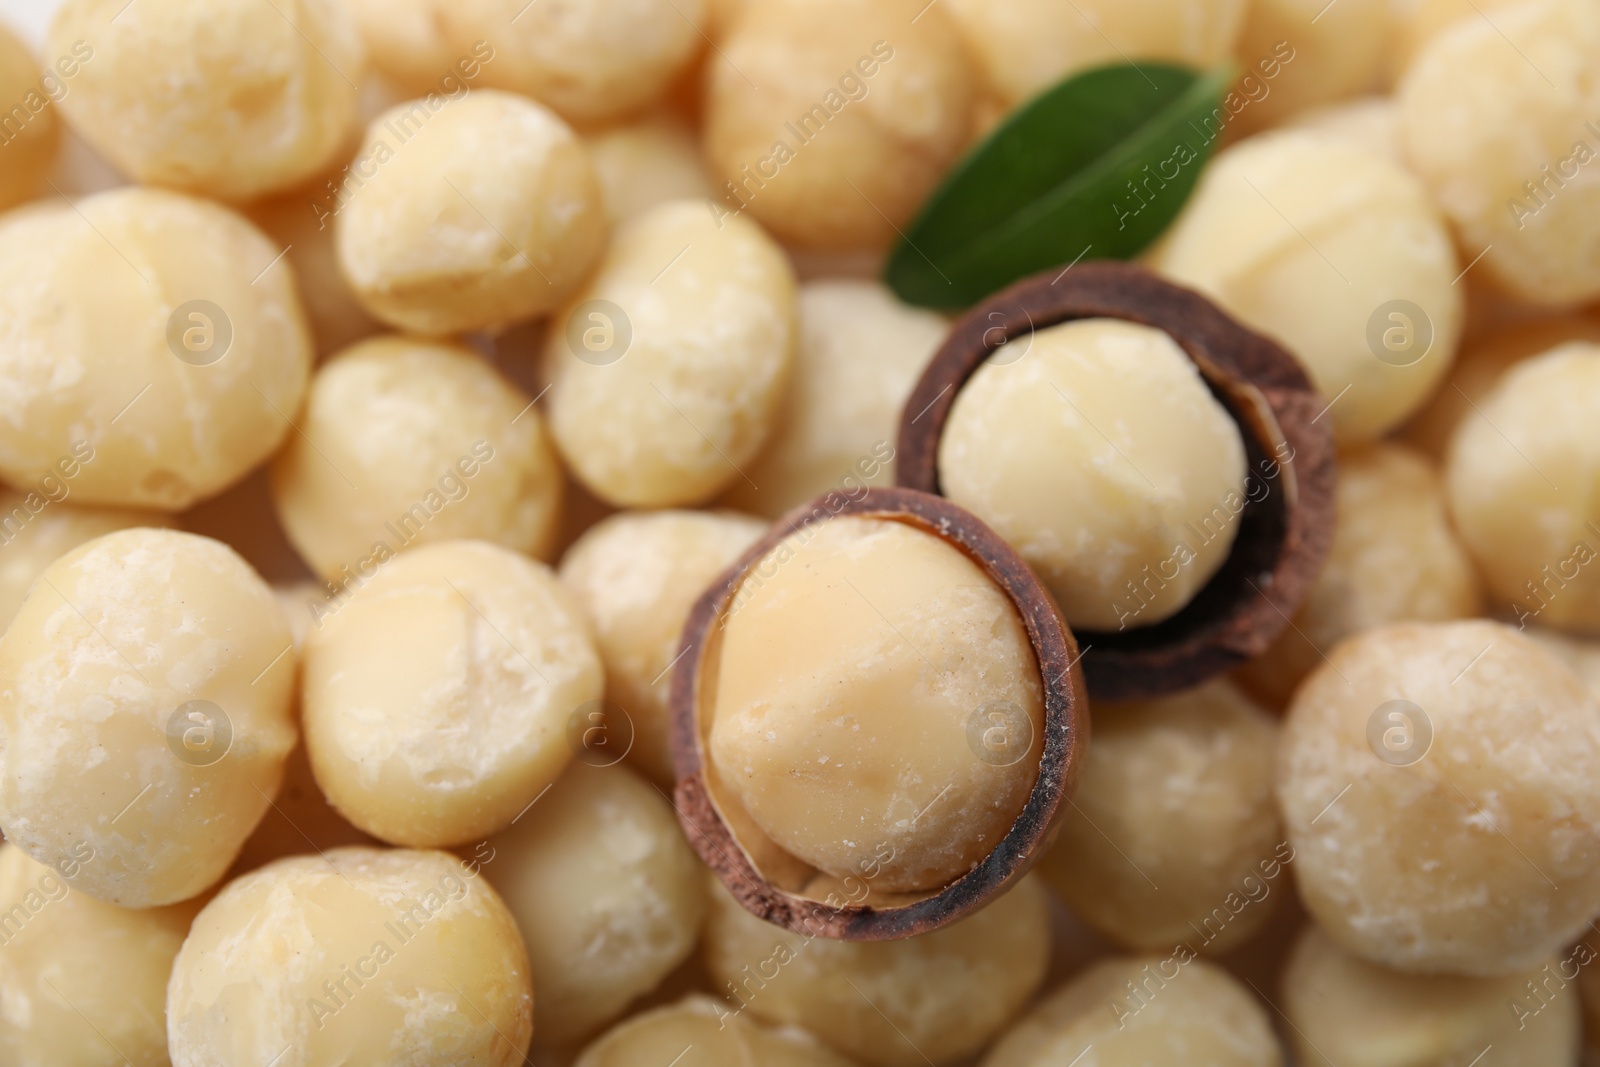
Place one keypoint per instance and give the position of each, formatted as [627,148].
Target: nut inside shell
[1283,536]
[781,888]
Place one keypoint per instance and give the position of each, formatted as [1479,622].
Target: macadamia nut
[1173,836]
[67,959]
[1371,122]
[606,891]
[30,133]
[938,996]
[592,62]
[467,213]
[667,369]
[405,40]
[389,957]
[1025,46]
[1479,367]
[1523,479]
[647,163]
[36,529]
[1337,253]
[636,575]
[861,352]
[703,1032]
[1441,786]
[1337,52]
[1132,1012]
[437,698]
[406,442]
[233,99]
[1346,1011]
[855,659]
[153,341]
[146,692]
[862,106]
[1496,116]
[297,223]
[1098,452]
[1394,558]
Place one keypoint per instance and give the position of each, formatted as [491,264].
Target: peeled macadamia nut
[937,997]
[152,341]
[1441,787]
[855,658]
[1336,252]
[831,121]
[29,130]
[606,891]
[1173,836]
[1099,453]
[636,575]
[1344,1010]
[146,693]
[1417,22]
[67,960]
[467,213]
[1336,52]
[1371,122]
[1394,558]
[861,352]
[437,698]
[385,957]
[233,99]
[667,369]
[36,529]
[1496,118]
[647,163]
[1481,363]
[1026,46]
[336,317]
[701,1032]
[593,62]
[405,442]
[1523,479]
[405,41]
[1134,1012]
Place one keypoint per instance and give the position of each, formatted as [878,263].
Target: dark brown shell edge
[1066,732]
[1283,538]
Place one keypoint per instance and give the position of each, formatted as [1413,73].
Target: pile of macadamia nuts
[439,442]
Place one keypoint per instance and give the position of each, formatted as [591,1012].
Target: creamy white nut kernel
[1101,456]
[636,575]
[1137,1011]
[702,1032]
[1524,488]
[856,658]
[937,996]
[862,108]
[70,959]
[157,333]
[36,530]
[667,368]
[1441,787]
[231,100]
[606,891]
[468,213]
[437,698]
[146,693]
[1310,239]
[386,957]
[406,442]
[860,353]
[646,163]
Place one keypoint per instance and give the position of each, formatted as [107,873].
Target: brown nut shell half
[1283,537]
[770,883]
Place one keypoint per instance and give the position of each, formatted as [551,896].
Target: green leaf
[1094,168]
